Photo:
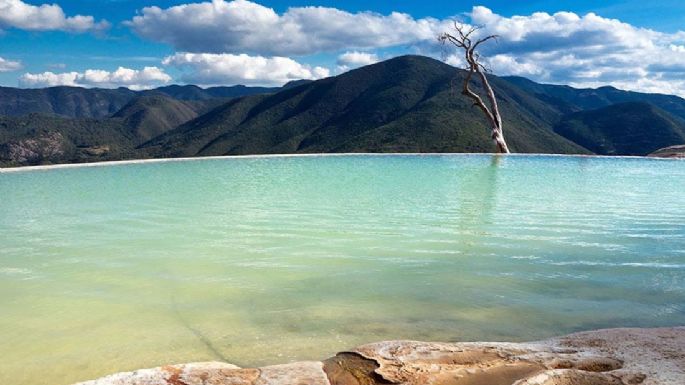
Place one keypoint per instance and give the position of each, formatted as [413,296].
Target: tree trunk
[475,67]
[499,141]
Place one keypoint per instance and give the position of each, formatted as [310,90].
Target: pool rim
[314,155]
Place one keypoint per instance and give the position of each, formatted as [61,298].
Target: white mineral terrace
[603,357]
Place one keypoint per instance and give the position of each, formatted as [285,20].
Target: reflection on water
[478,192]
[268,260]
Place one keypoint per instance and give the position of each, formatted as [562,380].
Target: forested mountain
[78,102]
[405,104]
[631,128]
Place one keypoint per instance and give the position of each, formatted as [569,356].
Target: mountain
[405,104]
[568,99]
[191,92]
[632,128]
[66,101]
[153,115]
[43,138]
[46,139]
[39,138]
[296,83]
[77,102]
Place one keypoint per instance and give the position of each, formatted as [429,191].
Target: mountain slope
[633,128]
[46,139]
[405,104]
[151,116]
[77,102]
[677,151]
[192,92]
[568,99]
[66,101]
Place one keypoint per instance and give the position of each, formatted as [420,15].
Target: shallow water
[268,260]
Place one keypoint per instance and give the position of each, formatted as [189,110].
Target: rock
[187,374]
[299,373]
[35,150]
[95,150]
[669,152]
[603,357]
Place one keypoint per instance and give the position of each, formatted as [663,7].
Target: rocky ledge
[603,357]
[669,152]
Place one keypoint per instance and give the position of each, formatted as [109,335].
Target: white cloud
[677,48]
[583,51]
[353,59]
[239,41]
[241,26]
[148,77]
[45,17]
[563,47]
[48,79]
[9,65]
[514,67]
[222,69]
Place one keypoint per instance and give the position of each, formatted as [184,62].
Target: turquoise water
[268,260]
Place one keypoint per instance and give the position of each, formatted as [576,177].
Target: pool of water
[268,260]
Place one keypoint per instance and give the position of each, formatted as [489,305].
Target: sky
[634,45]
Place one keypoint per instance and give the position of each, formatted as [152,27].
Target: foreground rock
[603,357]
[669,152]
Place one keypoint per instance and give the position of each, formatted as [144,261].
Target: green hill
[78,102]
[633,128]
[66,101]
[406,104]
[568,99]
[47,139]
[151,116]
[191,92]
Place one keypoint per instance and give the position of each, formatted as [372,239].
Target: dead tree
[464,40]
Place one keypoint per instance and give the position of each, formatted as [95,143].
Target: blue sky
[629,44]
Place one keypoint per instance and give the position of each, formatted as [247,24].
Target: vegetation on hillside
[401,105]
[632,128]
[405,104]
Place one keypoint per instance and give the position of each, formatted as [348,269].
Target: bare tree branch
[463,40]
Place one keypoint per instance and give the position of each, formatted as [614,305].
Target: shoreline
[625,356]
[313,155]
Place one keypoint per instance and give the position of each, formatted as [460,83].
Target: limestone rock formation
[603,357]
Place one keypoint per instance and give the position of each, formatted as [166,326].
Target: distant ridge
[78,102]
[636,128]
[153,115]
[191,92]
[571,99]
[72,102]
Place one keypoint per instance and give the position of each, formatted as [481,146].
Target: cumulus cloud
[9,65]
[242,26]
[45,17]
[583,51]
[564,47]
[148,77]
[221,69]
[353,59]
